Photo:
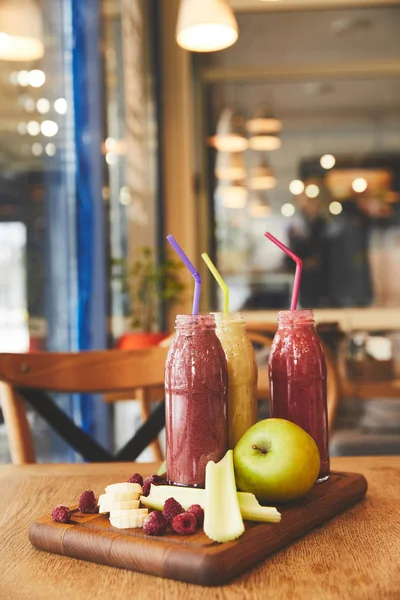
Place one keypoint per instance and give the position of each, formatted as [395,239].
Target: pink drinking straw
[193,271]
[299,268]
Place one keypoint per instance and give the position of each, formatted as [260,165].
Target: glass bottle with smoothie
[242,374]
[297,374]
[196,393]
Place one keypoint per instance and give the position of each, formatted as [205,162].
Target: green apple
[276,460]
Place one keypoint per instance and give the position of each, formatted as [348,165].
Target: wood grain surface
[354,556]
[93,371]
[195,558]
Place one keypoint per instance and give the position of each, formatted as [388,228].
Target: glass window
[317,156]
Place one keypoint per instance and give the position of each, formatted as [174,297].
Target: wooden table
[355,556]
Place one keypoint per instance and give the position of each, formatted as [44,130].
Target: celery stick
[222,519]
[162,471]
[265,514]
[185,495]
[249,507]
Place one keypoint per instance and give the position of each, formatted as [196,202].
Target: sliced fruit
[129,513]
[117,497]
[130,522]
[107,506]
[250,508]
[222,518]
[124,488]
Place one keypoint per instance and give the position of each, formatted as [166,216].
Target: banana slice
[128,522]
[117,497]
[115,514]
[107,506]
[124,488]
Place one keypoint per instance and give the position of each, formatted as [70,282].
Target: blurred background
[112,136]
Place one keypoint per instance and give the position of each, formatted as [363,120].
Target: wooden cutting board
[195,558]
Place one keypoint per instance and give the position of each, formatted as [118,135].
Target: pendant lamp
[262,178]
[230,166]
[232,195]
[263,128]
[230,136]
[265,142]
[21,30]
[206,25]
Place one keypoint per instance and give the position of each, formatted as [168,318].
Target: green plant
[153,285]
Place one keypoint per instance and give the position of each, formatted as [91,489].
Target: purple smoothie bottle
[196,394]
[297,374]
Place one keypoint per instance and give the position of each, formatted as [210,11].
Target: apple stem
[262,450]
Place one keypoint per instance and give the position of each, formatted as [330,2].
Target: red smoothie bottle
[297,375]
[196,396]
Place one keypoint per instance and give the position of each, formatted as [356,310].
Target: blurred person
[308,239]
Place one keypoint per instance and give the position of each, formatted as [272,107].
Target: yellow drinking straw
[220,281]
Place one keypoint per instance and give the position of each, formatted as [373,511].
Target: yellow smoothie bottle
[242,374]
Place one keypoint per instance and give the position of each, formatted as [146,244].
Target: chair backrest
[90,372]
[97,371]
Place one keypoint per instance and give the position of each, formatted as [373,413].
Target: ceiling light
[265,142]
[21,128]
[262,178]
[335,208]
[49,128]
[263,122]
[359,185]
[50,149]
[327,161]
[37,149]
[111,158]
[296,187]
[43,106]
[233,195]
[125,196]
[21,27]
[263,125]
[60,106]
[288,209]
[110,144]
[33,128]
[23,78]
[36,78]
[229,166]
[206,26]
[312,190]
[29,104]
[229,136]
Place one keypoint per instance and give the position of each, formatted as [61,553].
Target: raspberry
[171,509]
[184,523]
[136,478]
[88,503]
[151,479]
[155,523]
[62,514]
[198,512]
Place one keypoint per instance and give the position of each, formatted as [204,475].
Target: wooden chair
[264,339]
[26,378]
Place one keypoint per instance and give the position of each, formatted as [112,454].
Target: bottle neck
[194,323]
[229,321]
[295,319]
